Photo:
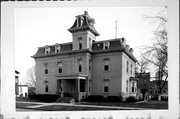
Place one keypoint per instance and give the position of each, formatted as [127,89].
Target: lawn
[72,108]
[147,104]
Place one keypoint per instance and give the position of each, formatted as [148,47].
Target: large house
[85,66]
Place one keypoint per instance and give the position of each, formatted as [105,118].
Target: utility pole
[116,27]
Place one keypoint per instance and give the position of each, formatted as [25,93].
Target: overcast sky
[36,27]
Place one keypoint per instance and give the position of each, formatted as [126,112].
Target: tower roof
[84,22]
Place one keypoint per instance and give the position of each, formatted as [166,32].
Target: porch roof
[73,76]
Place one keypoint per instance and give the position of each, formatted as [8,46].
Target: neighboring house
[143,80]
[154,87]
[20,90]
[85,66]
[23,90]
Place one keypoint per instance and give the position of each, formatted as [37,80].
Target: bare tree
[157,53]
[30,77]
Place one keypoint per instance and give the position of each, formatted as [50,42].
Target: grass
[147,104]
[22,105]
[71,108]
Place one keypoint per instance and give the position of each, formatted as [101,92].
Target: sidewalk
[40,104]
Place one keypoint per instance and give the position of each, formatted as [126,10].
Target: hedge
[95,98]
[44,97]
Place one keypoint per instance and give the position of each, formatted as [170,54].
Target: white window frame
[47,50]
[57,48]
[60,65]
[106,84]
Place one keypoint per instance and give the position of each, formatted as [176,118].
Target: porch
[72,86]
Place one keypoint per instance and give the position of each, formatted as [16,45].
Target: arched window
[59,67]
[79,64]
[45,68]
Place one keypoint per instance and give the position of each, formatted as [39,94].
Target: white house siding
[99,74]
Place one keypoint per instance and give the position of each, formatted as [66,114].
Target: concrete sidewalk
[40,104]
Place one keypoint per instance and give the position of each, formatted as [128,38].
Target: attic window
[106,45]
[47,50]
[57,48]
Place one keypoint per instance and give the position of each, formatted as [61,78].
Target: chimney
[123,41]
[85,13]
[131,50]
[127,47]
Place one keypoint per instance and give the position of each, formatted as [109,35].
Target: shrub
[114,99]
[44,97]
[95,98]
[131,99]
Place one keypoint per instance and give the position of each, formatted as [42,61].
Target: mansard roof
[82,23]
[116,45]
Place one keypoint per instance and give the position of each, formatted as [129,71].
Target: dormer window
[47,50]
[57,48]
[106,45]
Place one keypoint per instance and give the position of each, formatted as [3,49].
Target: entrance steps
[66,100]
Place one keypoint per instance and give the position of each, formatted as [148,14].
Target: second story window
[45,68]
[131,69]
[47,50]
[127,67]
[57,48]
[106,64]
[106,45]
[59,67]
[80,65]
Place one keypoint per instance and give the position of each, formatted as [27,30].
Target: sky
[36,27]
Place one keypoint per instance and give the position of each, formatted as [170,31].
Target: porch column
[77,89]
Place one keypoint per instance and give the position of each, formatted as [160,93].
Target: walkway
[40,104]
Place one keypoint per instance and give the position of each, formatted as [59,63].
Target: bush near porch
[44,97]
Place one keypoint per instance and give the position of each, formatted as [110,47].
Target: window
[80,65]
[106,85]
[46,88]
[90,44]
[127,67]
[57,48]
[47,50]
[89,64]
[59,67]
[46,71]
[106,64]
[82,85]
[45,68]
[131,69]
[80,68]
[133,87]
[127,86]
[106,45]
[80,42]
